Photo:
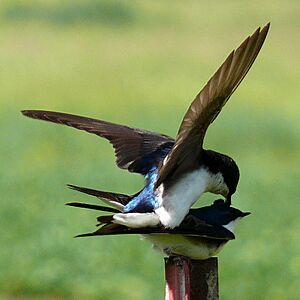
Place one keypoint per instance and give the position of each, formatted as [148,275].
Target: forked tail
[115,200]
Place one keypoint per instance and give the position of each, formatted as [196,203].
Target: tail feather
[105,219]
[106,229]
[115,200]
[92,206]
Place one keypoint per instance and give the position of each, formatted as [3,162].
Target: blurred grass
[141,63]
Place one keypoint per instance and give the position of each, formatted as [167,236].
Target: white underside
[136,220]
[175,203]
[189,246]
[176,244]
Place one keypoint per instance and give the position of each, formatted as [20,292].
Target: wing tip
[267,26]
[264,31]
[264,28]
[26,112]
[38,114]
[259,32]
[72,187]
[71,204]
[83,235]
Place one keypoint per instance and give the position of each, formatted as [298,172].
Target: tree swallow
[202,233]
[177,171]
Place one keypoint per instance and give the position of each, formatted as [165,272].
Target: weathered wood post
[188,279]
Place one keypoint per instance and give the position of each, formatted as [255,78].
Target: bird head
[228,216]
[226,174]
[220,214]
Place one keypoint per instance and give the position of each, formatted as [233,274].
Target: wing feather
[207,105]
[131,145]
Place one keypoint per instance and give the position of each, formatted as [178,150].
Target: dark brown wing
[92,206]
[202,229]
[136,150]
[208,104]
[192,225]
[205,231]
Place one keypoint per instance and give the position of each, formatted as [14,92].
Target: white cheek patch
[231,225]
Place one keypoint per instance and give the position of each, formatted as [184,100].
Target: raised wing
[207,105]
[136,150]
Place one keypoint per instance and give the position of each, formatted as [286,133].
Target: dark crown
[219,213]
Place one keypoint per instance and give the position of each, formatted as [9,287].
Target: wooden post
[188,279]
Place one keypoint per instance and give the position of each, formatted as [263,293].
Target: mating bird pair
[177,172]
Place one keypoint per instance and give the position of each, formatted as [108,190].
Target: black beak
[228,199]
[245,214]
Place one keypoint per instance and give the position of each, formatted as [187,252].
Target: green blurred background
[141,63]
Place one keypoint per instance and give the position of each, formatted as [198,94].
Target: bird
[177,171]
[202,234]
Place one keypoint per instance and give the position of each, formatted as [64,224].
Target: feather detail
[186,152]
[136,150]
[113,199]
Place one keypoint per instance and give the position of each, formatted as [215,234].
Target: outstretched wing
[136,150]
[192,225]
[186,151]
[202,229]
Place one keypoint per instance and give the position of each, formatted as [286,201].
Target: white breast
[177,200]
[176,244]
